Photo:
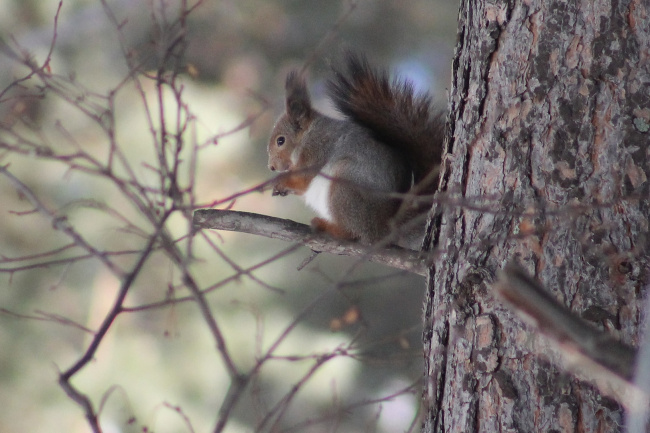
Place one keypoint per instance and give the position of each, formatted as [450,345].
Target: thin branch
[637,421]
[183,415]
[59,222]
[291,231]
[238,269]
[47,317]
[35,70]
[331,34]
[238,381]
[589,353]
[531,299]
[53,252]
[61,261]
[219,284]
[64,377]
[281,407]
[303,425]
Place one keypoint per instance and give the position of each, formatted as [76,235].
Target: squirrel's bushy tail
[394,112]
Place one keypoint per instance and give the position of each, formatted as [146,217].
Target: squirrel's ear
[299,109]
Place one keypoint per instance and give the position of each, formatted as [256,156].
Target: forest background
[157,368]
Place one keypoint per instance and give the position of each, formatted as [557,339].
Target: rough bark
[548,139]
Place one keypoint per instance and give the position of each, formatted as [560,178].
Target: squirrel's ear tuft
[299,109]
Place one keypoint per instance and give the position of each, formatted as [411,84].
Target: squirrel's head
[290,127]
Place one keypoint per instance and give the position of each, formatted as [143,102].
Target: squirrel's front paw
[279,190]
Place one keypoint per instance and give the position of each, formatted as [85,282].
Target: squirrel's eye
[280,140]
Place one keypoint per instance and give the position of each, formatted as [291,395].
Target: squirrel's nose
[272,167]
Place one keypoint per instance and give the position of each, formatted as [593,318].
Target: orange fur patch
[333,229]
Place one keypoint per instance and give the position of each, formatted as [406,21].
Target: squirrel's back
[394,113]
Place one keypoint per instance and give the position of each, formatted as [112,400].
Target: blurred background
[157,369]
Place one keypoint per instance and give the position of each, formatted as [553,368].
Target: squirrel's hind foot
[321,225]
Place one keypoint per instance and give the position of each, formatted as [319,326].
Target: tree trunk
[547,166]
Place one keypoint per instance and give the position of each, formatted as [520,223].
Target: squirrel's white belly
[317,195]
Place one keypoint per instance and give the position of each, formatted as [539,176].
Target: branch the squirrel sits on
[357,172]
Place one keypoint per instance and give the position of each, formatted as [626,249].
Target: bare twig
[64,377]
[281,407]
[156,201]
[637,422]
[530,299]
[60,222]
[47,317]
[590,353]
[410,389]
[183,415]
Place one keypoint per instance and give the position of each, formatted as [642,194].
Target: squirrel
[356,172]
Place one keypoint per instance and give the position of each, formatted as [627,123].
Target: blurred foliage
[158,365]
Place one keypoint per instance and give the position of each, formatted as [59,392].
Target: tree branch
[291,231]
[591,353]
